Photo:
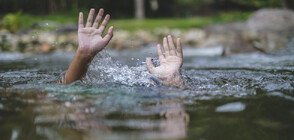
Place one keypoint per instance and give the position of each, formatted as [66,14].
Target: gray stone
[270,29]
[277,20]
[266,30]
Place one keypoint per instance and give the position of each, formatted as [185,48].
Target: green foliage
[180,23]
[125,9]
[3,44]
[215,6]
[64,18]
[147,24]
[193,5]
[231,16]
[11,22]
[261,3]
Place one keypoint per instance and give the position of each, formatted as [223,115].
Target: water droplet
[116,72]
[67,104]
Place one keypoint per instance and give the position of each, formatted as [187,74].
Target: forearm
[90,41]
[78,67]
[174,80]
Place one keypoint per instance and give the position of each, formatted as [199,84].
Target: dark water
[248,96]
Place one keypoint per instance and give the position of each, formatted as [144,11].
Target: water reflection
[104,115]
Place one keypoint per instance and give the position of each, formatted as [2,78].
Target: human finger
[98,18]
[165,46]
[109,35]
[172,50]
[104,24]
[179,48]
[81,20]
[90,17]
[159,52]
[150,65]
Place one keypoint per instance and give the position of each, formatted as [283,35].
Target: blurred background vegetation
[18,14]
[47,25]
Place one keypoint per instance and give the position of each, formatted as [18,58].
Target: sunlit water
[247,96]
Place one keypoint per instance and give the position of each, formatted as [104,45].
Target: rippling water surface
[246,96]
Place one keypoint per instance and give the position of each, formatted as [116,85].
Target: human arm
[171,61]
[91,42]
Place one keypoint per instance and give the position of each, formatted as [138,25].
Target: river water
[244,96]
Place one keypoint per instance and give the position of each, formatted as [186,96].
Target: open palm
[171,60]
[90,36]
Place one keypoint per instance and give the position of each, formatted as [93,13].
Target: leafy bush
[3,44]
[11,22]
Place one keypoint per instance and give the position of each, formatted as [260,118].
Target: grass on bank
[180,23]
[26,21]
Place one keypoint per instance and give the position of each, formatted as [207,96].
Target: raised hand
[90,36]
[90,43]
[171,61]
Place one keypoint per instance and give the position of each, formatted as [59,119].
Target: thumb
[150,65]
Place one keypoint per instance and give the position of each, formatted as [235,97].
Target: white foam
[11,56]
[231,107]
[104,69]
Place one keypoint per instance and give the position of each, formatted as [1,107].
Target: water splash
[231,107]
[105,69]
[120,103]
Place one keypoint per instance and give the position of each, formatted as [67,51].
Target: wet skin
[91,42]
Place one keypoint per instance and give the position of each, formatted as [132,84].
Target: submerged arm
[91,42]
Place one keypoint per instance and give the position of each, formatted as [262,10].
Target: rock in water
[272,20]
[266,30]
[270,29]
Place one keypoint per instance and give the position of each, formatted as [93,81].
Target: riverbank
[265,30]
